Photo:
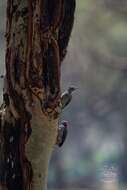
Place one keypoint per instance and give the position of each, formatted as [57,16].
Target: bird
[62,133]
[66,96]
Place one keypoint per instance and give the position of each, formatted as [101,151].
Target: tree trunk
[37,36]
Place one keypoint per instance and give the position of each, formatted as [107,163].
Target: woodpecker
[62,133]
[66,97]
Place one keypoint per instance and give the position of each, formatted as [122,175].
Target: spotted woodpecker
[66,97]
[62,133]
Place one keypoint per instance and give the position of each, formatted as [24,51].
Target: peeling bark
[29,116]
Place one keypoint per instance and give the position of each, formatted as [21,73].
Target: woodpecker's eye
[65,124]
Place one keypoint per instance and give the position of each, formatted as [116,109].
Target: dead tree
[37,35]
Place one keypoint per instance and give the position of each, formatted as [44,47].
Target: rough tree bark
[37,35]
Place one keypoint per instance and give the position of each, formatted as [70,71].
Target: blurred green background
[94,155]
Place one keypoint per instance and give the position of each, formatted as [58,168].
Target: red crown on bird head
[65,123]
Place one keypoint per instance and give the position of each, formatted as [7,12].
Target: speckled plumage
[62,133]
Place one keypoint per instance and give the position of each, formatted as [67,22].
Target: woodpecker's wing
[64,136]
[65,99]
[60,134]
